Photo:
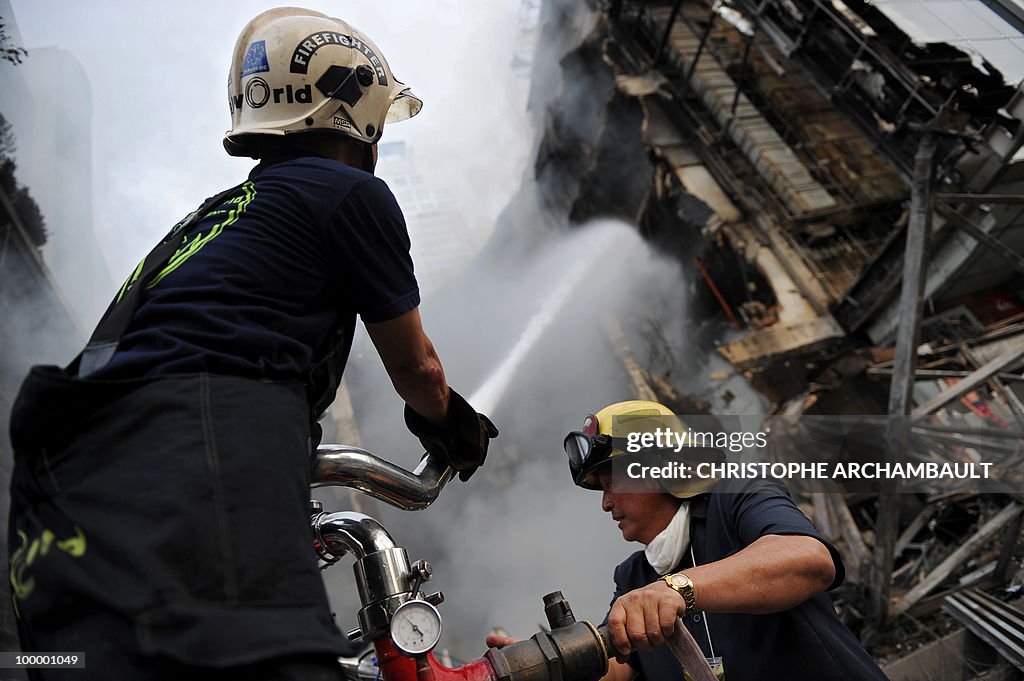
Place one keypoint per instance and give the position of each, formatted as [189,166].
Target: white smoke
[519,528]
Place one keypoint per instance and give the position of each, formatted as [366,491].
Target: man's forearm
[423,387]
[774,573]
[413,365]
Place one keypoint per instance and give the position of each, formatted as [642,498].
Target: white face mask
[666,550]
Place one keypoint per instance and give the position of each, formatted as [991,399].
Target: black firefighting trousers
[162,528]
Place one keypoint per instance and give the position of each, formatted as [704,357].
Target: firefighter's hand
[645,617]
[499,641]
[463,439]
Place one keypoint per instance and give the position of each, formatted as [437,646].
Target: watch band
[685,589]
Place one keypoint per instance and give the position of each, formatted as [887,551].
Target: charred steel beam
[935,602]
[991,620]
[851,534]
[997,433]
[925,438]
[748,43]
[981,198]
[901,388]
[700,47]
[997,247]
[1008,395]
[744,63]
[972,381]
[958,557]
[798,43]
[1012,329]
[668,31]
[920,520]
[935,374]
[1002,571]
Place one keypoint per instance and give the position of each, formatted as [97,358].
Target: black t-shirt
[266,282]
[807,642]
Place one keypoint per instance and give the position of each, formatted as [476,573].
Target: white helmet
[296,70]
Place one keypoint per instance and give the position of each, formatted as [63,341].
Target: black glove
[462,440]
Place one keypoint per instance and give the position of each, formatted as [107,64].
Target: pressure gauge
[416,627]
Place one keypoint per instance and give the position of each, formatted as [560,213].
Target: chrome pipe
[360,534]
[345,466]
[382,569]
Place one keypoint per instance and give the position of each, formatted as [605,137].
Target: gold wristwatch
[683,585]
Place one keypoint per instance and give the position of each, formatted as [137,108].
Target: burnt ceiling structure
[844,183]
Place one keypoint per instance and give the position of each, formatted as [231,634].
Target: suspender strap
[105,339]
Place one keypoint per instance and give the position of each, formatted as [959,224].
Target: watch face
[680,581]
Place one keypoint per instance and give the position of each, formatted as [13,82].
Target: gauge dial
[416,627]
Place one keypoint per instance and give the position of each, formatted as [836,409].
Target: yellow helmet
[604,437]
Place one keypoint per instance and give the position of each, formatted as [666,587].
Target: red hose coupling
[395,666]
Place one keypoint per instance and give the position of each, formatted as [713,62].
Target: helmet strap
[368,163]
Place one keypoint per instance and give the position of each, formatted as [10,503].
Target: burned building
[842,181]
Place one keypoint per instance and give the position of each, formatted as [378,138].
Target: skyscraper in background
[48,103]
[47,107]
[441,242]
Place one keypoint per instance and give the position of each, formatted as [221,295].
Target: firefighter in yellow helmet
[736,559]
[606,434]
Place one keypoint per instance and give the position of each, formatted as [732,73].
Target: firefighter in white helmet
[159,497]
[296,71]
[736,559]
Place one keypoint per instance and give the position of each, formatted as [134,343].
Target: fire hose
[570,651]
[403,624]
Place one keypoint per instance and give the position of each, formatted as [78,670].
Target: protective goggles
[587,452]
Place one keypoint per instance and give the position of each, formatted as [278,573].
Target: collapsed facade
[803,159]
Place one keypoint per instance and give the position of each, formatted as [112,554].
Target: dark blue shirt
[265,283]
[807,642]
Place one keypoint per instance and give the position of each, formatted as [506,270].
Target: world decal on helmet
[258,92]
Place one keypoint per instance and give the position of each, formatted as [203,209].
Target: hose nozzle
[571,650]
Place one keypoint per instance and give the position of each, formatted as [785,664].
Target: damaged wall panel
[591,162]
